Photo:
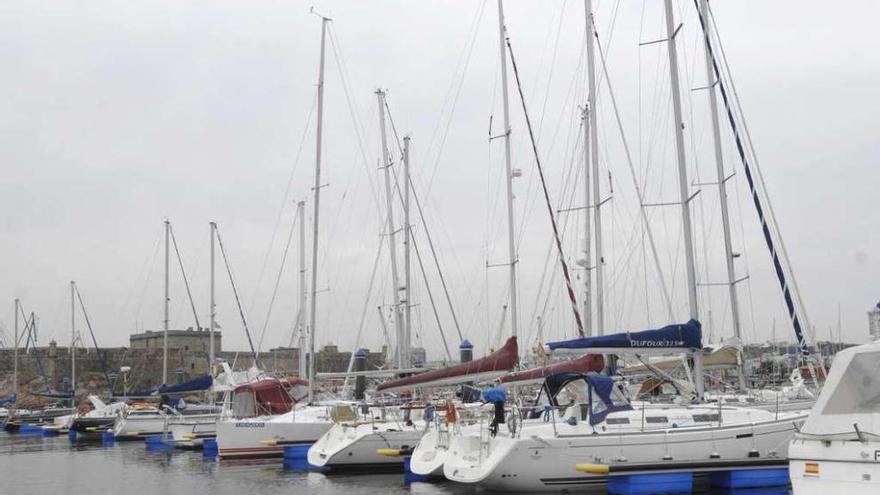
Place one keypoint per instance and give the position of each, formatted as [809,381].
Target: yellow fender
[592,468]
[388,452]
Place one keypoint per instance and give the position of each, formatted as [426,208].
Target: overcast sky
[117,115]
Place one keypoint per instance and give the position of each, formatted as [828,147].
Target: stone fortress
[188,352]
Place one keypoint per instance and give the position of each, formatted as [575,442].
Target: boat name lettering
[654,343]
[250,425]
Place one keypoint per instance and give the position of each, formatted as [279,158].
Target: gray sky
[117,115]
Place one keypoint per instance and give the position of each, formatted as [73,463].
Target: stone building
[187,359]
[186,340]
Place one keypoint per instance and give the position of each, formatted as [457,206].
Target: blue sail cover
[678,336]
[7,401]
[194,385]
[605,397]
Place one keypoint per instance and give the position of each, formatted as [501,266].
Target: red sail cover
[583,364]
[490,367]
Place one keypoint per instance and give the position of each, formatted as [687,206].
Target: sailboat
[376,438]
[602,433]
[258,432]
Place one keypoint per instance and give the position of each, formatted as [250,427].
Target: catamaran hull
[820,468]
[548,463]
[356,447]
[238,439]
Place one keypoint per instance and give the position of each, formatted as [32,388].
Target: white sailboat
[262,433]
[838,448]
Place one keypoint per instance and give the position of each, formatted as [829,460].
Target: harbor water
[38,465]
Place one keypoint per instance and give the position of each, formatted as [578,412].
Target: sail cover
[605,398]
[201,383]
[677,337]
[583,364]
[490,367]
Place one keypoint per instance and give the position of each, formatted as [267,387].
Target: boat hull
[541,462]
[835,466]
[267,436]
[347,446]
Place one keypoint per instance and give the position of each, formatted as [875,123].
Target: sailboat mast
[588,271]
[722,192]
[511,246]
[301,339]
[683,187]
[166,300]
[399,329]
[15,353]
[594,163]
[406,254]
[72,343]
[319,136]
[213,315]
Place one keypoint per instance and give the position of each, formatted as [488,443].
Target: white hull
[430,454]
[353,446]
[191,431]
[243,438]
[538,459]
[848,467]
[138,426]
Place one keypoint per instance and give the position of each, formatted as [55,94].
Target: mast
[683,188]
[588,303]
[399,330]
[15,353]
[511,246]
[406,255]
[594,161]
[213,315]
[313,312]
[301,318]
[72,343]
[165,321]
[722,193]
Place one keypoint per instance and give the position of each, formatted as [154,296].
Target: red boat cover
[583,364]
[271,395]
[499,361]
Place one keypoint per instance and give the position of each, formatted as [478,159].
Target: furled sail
[497,364]
[671,338]
[583,364]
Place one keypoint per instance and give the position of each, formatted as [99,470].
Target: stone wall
[146,366]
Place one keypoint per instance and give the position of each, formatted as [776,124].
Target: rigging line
[277,283]
[237,299]
[101,353]
[151,262]
[777,264]
[571,296]
[357,340]
[442,145]
[352,110]
[283,202]
[754,155]
[430,243]
[33,338]
[422,267]
[635,181]
[183,273]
